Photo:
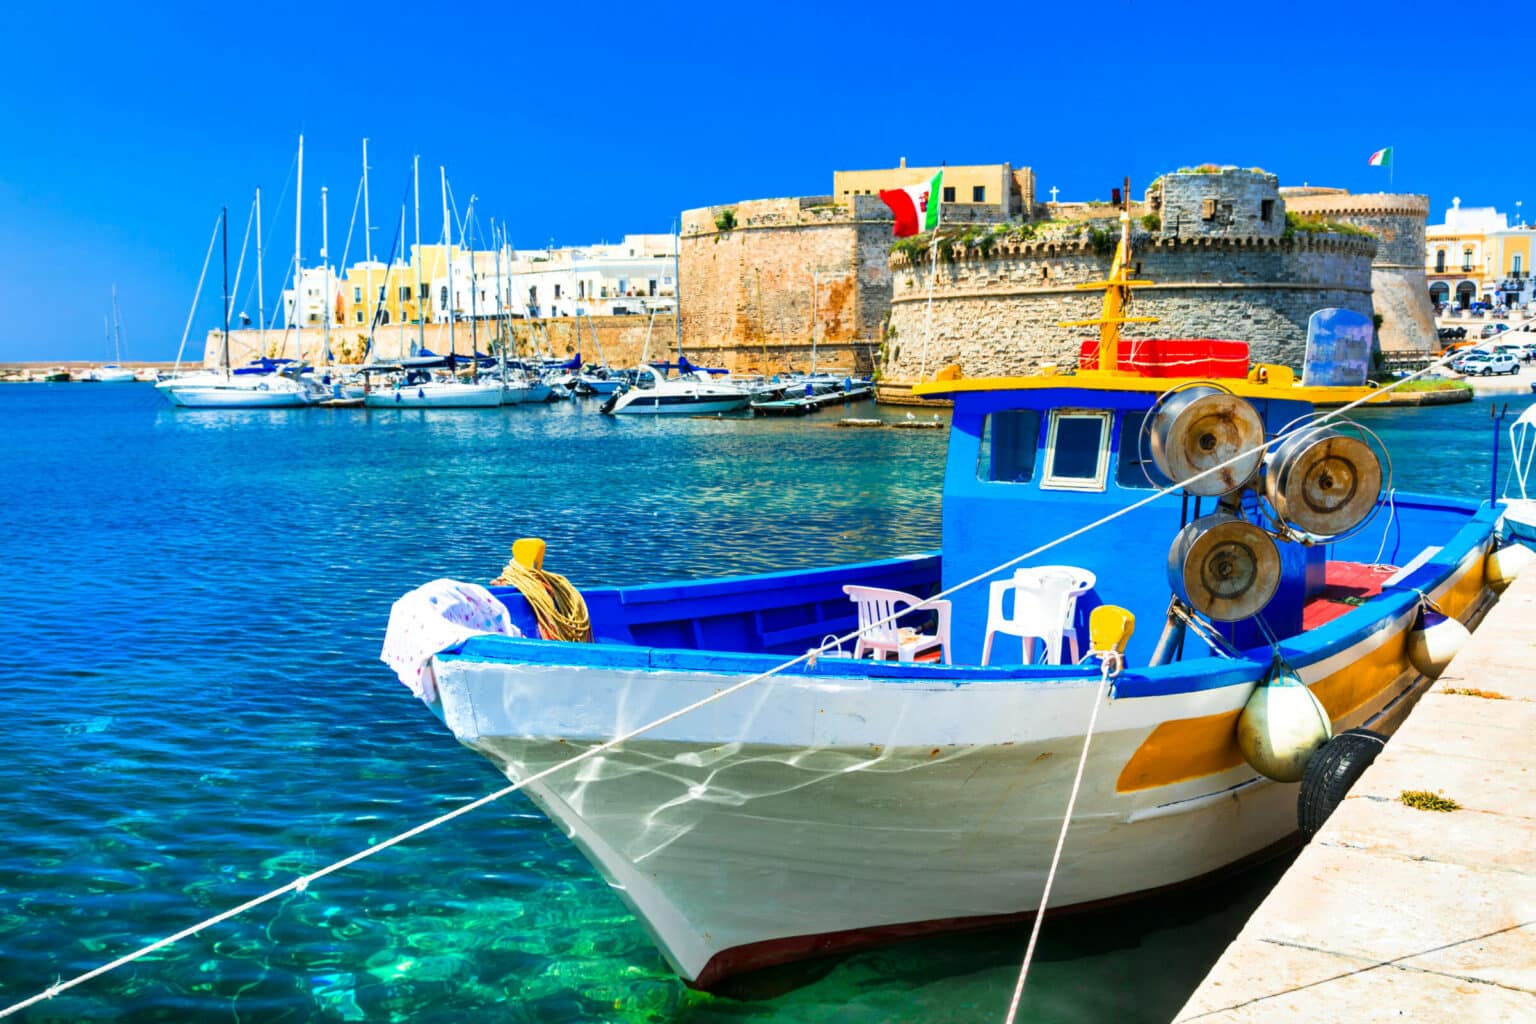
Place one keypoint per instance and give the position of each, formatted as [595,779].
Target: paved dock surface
[1398,914]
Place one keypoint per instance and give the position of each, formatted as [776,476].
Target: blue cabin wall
[988,522]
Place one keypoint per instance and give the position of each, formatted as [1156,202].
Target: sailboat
[113,372]
[222,388]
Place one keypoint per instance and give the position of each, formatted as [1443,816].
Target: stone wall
[786,266]
[1397,275]
[997,314]
[1231,202]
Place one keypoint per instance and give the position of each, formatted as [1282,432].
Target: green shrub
[1301,224]
[726,220]
[1152,222]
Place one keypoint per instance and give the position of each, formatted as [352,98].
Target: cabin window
[1077,450]
[1136,467]
[1009,441]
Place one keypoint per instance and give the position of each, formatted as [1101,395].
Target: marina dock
[1407,914]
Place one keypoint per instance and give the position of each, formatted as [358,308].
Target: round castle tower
[1401,291]
[1215,245]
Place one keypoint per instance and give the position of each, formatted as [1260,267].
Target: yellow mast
[1117,295]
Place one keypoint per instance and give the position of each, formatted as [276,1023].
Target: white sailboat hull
[216,391]
[436,395]
[109,375]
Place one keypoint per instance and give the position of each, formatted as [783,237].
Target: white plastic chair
[1044,602]
[878,605]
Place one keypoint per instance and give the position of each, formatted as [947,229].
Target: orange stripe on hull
[1190,748]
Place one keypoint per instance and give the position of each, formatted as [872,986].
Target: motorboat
[687,390]
[1215,537]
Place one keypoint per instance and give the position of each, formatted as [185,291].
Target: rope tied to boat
[1110,664]
[556,603]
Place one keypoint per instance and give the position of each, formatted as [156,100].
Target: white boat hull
[436,396]
[812,814]
[213,391]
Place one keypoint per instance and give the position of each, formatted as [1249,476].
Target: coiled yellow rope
[559,606]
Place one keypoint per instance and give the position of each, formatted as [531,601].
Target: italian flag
[916,207]
[1381,158]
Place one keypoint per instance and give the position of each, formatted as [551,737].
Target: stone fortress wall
[1397,274]
[762,279]
[1221,263]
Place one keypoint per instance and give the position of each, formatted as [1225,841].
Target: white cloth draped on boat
[434,617]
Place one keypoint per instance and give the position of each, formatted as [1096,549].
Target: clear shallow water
[194,604]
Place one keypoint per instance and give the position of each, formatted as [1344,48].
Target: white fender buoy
[1434,640]
[1280,727]
[1505,563]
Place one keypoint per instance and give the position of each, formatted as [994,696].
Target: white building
[312,302]
[635,276]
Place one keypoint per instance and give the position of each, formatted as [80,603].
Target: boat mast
[677,291]
[325,245]
[117,327]
[474,312]
[442,173]
[367,228]
[815,284]
[224,230]
[1117,295]
[106,325]
[261,300]
[298,256]
[421,311]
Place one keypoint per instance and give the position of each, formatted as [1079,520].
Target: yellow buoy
[1280,727]
[1505,563]
[1434,640]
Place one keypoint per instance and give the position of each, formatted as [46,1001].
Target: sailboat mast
[815,283]
[442,173]
[469,246]
[117,328]
[367,228]
[421,308]
[298,256]
[106,327]
[325,263]
[677,289]
[224,230]
[261,299]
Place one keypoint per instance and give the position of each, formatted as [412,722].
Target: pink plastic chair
[877,605]
[1044,602]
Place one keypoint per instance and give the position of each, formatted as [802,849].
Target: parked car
[1456,346]
[1492,329]
[1486,364]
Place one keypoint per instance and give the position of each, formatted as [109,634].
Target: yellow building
[1476,256]
[1008,191]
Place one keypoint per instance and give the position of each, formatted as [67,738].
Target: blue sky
[127,126]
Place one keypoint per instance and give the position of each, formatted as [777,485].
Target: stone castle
[764,276]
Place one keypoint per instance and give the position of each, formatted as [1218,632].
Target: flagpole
[933,273]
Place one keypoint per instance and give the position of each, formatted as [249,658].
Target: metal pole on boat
[298,257]
[448,248]
[474,281]
[224,230]
[325,246]
[677,288]
[367,227]
[421,308]
[261,302]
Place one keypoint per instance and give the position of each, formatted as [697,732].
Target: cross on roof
[1054,190]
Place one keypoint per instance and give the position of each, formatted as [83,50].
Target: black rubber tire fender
[1332,770]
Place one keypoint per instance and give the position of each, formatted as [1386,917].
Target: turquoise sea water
[195,713]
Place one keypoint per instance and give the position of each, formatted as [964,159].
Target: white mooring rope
[302,883]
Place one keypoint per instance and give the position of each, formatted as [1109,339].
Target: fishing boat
[1520,512]
[813,804]
[801,399]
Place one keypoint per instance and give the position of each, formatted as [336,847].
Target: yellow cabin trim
[1103,380]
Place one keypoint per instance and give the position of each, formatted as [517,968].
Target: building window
[405,293]
[1466,258]
[1517,264]
[1440,261]
[949,193]
[421,292]
[557,291]
[381,292]
[359,316]
[651,284]
[357,294]
[978,193]
[442,297]
[1266,210]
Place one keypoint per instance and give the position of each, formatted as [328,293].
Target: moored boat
[687,391]
[840,802]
